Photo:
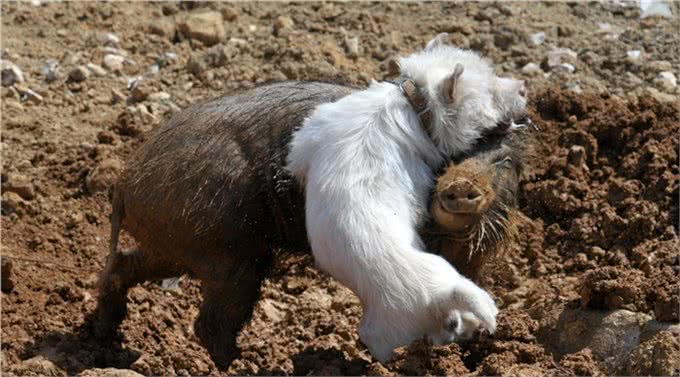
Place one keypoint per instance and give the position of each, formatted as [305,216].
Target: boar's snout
[462,196]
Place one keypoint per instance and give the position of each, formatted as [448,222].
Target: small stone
[558,56]
[532,69]
[576,88]
[658,66]
[159,97]
[352,47]
[196,65]
[11,74]
[659,96]
[106,137]
[109,39]
[117,96]
[140,91]
[39,365]
[103,176]
[50,70]
[271,312]
[537,39]
[96,70]
[28,94]
[283,23]
[564,67]
[12,203]
[229,14]
[206,27]
[667,81]
[79,74]
[633,55]
[114,62]
[631,80]
[20,185]
[109,372]
[163,27]
[6,283]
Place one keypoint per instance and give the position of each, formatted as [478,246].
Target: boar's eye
[505,163]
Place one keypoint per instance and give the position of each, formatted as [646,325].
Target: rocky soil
[589,289]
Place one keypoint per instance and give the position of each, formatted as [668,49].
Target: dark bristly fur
[207,195]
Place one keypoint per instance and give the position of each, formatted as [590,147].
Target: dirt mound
[592,277]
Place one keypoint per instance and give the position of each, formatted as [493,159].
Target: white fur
[368,166]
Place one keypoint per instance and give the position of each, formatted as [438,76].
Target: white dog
[367,166]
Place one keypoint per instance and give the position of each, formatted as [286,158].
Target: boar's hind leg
[124,269]
[228,302]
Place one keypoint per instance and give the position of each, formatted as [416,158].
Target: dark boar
[207,195]
[474,204]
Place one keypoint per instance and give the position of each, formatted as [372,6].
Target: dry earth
[590,288]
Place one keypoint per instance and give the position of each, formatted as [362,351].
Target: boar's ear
[440,39]
[447,88]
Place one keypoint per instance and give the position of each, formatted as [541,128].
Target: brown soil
[600,195]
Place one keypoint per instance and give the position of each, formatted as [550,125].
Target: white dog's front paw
[475,307]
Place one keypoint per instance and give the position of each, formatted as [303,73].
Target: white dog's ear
[447,88]
[439,40]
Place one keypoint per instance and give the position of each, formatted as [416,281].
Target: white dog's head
[465,96]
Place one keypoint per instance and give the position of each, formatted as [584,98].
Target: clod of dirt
[6,281]
[206,27]
[658,356]
[21,185]
[613,288]
[109,372]
[103,176]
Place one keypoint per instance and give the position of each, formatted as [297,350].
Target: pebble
[352,47]
[532,69]
[79,74]
[117,96]
[12,203]
[658,66]
[206,27]
[283,23]
[667,81]
[11,74]
[50,70]
[196,65]
[21,185]
[159,97]
[537,39]
[27,94]
[139,91]
[163,27]
[96,70]
[229,14]
[558,56]
[6,283]
[102,177]
[110,39]
[659,96]
[564,67]
[114,62]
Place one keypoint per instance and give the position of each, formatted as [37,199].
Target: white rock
[666,80]
[655,8]
[561,55]
[532,69]
[109,39]
[352,46]
[114,62]
[159,96]
[49,70]
[28,94]
[11,73]
[537,39]
[633,55]
[96,70]
[564,67]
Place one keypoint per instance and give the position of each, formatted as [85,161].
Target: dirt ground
[591,288]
